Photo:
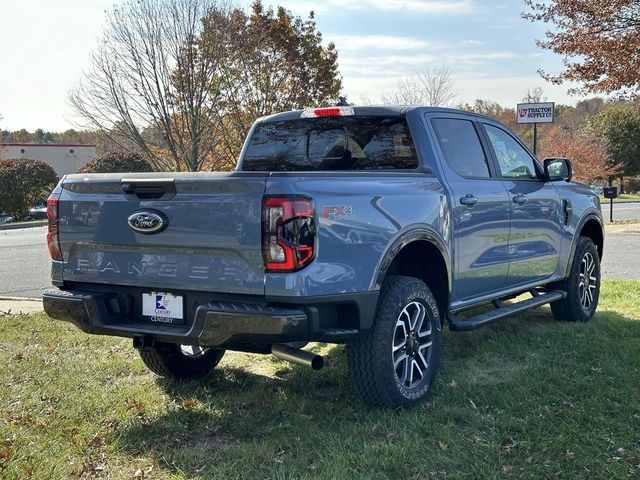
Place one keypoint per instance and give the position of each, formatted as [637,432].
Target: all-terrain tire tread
[365,355]
[569,309]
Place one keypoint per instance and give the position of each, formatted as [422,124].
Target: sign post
[610,193]
[535,113]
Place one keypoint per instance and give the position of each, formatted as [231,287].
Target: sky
[488,48]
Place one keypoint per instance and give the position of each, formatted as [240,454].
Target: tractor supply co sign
[535,112]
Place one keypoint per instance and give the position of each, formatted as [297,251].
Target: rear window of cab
[334,143]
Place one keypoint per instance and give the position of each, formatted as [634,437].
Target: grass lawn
[624,198]
[527,397]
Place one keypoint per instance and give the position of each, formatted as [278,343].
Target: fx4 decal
[338,211]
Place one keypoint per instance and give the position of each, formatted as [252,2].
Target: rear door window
[337,143]
[461,147]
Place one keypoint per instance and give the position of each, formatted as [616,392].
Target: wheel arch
[419,253]
[590,226]
[593,229]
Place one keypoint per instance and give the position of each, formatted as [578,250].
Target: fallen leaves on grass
[6,448]
[139,473]
[508,447]
[93,468]
[136,405]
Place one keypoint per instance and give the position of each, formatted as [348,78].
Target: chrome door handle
[520,199]
[469,200]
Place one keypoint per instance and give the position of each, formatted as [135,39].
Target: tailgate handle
[149,189]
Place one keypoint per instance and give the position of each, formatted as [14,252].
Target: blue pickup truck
[370,226]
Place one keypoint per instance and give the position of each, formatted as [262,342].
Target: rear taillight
[288,233]
[53,239]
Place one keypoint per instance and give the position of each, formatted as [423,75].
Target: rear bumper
[242,325]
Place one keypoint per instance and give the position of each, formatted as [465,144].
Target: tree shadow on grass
[222,419]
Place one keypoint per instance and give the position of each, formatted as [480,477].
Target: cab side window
[514,161]
[461,147]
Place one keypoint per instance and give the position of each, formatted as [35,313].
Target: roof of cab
[376,110]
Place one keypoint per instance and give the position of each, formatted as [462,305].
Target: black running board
[502,310]
[337,335]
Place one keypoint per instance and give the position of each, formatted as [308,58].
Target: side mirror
[558,169]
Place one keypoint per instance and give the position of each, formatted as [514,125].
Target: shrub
[117,162]
[24,183]
[632,185]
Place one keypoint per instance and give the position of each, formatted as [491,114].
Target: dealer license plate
[163,308]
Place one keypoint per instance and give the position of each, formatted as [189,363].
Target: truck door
[480,207]
[536,210]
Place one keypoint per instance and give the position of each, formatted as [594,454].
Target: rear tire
[582,285]
[395,363]
[180,361]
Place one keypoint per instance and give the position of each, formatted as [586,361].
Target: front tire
[582,285]
[180,361]
[395,363]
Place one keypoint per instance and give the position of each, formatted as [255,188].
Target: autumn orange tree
[273,61]
[599,40]
[587,152]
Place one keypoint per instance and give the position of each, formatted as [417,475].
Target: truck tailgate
[210,239]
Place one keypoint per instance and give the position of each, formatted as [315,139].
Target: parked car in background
[37,213]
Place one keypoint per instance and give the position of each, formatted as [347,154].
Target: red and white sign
[535,112]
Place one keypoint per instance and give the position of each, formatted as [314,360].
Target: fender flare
[414,234]
[574,243]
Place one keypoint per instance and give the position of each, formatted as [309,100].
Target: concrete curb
[19,306]
[20,299]
[622,228]
[18,225]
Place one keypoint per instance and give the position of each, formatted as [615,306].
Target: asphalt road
[621,211]
[25,264]
[621,257]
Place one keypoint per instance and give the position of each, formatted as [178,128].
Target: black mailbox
[610,192]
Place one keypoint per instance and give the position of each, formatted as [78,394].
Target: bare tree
[132,93]
[534,95]
[434,87]
[181,81]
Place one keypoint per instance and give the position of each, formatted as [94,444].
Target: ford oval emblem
[147,222]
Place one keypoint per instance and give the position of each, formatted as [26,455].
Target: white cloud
[507,91]
[475,58]
[383,66]
[398,65]
[473,43]
[424,6]
[351,43]
[412,6]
